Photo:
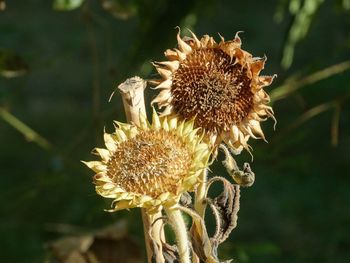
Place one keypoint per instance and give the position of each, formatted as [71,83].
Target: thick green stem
[178,224]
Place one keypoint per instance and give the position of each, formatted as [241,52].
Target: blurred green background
[60,61]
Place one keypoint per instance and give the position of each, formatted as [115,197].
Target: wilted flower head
[219,85]
[149,165]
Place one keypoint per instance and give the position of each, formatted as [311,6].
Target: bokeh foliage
[61,60]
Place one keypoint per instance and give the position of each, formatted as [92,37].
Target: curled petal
[183,46]
[172,65]
[163,72]
[166,84]
[195,39]
[181,56]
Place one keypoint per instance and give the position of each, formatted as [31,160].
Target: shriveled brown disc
[209,84]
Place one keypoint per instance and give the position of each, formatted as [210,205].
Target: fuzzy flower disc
[218,91]
[149,165]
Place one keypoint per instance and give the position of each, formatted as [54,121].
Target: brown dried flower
[219,85]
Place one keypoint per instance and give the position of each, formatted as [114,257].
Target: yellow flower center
[211,87]
[151,163]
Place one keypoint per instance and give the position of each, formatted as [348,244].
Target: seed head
[149,165]
[219,85]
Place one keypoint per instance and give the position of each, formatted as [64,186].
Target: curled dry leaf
[245,177]
[225,208]
[156,244]
[186,199]
[200,241]
[170,253]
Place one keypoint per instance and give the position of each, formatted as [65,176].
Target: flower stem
[177,222]
[201,194]
[132,92]
[199,204]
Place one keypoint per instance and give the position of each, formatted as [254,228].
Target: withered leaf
[201,244]
[244,178]
[170,253]
[225,209]
[186,199]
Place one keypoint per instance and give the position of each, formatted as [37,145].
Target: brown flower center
[151,163]
[211,87]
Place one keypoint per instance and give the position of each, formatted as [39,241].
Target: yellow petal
[132,132]
[180,128]
[122,126]
[172,123]
[124,204]
[191,136]
[109,142]
[165,124]
[143,122]
[108,186]
[101,178]
[120,135]
[156,125]
[105,154]
[96,166]
[164,196]
[188,127]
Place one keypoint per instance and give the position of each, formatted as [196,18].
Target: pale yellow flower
[150,165]
[219,85]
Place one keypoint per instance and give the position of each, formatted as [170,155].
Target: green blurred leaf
[120,9]
[2,5]
[346,4]
[294,82]
[294,6]
[67,5]
[303,16]
[28,132]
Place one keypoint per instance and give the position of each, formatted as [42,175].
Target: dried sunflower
[149,165]
[219,85]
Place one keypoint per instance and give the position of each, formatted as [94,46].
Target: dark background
[58,68]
